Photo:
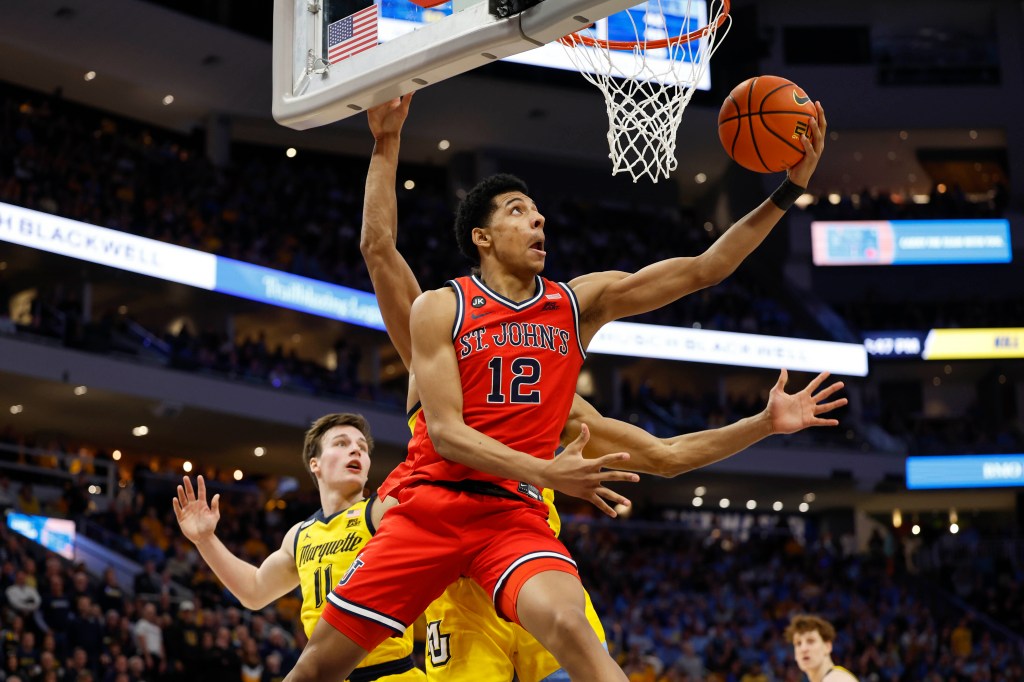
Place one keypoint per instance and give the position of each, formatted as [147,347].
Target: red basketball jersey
[518,363]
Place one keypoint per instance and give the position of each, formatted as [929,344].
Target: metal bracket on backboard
[506,8]
[434,52]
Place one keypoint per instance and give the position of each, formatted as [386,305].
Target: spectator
[22,597]
[960,639]
[150,640]
[79,663]
[149,580]
[689,663]
[110,595]
[56,608]
[28,654]
[85,630]
[7,496]
[27,502]
[181,641]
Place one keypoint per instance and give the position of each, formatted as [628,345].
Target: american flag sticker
[552,297]
[351,513]
[354,34]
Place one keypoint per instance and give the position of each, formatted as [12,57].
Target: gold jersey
[325,548]
[839,667]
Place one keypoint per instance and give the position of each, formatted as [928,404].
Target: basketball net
[645,98]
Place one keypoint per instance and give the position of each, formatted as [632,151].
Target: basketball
[761,122]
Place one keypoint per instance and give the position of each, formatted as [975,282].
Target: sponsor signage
[216,273]
[298,293]
[57,535]
[730,348]
[894,344]
[974,344]
[910,242]
[106,247]
[965,471]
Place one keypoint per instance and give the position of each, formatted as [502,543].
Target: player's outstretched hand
[792,412]
[814,145]
[573,474]
[197,519]
[388,118]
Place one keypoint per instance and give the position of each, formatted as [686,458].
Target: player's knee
[569,624]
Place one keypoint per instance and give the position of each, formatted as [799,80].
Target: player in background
[316,552]
[812,638]
[466,640]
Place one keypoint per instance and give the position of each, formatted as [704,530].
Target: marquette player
[466,640]
[315,553]
[812,639]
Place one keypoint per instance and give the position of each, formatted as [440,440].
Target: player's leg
[466,641]
[403,568]
[534,663]
[533,581]
[550,605]
[328,656]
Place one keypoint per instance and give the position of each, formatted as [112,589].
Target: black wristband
[787,194]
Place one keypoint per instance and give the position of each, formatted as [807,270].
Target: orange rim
[575,39]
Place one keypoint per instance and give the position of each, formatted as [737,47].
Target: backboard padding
[453,45]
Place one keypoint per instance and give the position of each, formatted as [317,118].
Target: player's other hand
[573,474]
[792,412]
[388,118]
[197,519]
[814,145]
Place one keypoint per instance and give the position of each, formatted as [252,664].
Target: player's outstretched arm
[785,413]
[608,296]
[434,356]
[393,280]
[254,587]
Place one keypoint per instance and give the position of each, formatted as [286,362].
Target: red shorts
[435,536]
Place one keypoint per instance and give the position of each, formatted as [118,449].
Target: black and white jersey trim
[575,316]
[365,612]
[460,307]
[519,562]
[507,302]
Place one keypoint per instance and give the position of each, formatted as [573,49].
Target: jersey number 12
[525,373]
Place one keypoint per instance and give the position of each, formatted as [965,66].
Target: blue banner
[965,471]
[57,535]
[306,295]
[910,242]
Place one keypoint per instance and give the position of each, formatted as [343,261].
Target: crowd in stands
[678,605]
[59,623]
[712,606]
[943,202]
[303,215]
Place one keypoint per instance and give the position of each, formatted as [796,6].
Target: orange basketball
[761,122]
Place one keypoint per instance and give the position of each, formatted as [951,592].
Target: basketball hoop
[646,93]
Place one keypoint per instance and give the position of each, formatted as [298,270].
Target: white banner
[107,247]
[730,348]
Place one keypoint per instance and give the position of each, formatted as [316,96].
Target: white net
[647,84]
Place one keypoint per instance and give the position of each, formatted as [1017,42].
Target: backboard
[310,90]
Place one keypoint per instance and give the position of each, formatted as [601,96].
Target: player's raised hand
[388,118]
[197,519]
[814,145]
[573,474]
[792,412]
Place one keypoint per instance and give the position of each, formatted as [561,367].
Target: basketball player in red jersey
[497,356]
[466,639]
